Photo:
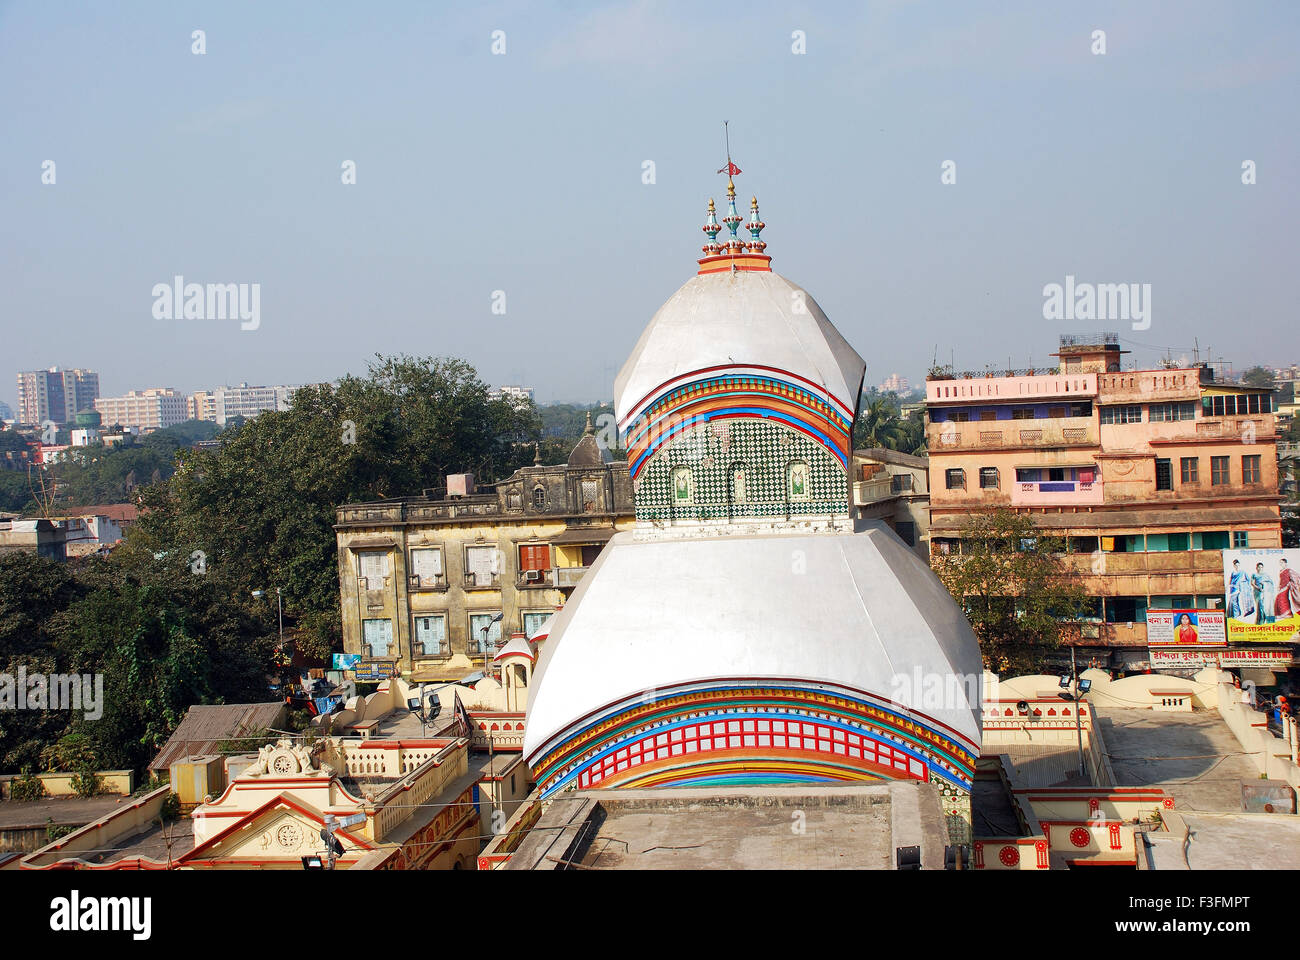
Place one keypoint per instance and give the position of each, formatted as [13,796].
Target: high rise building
[226,403]
[55,394]
[152,409]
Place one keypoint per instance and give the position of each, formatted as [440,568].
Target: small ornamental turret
[735,245]
[712,228]
[756,244]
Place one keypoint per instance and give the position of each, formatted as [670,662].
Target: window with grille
[1167,412]
[1164,475]
[1240,538]
[430,636]
[426,566]
[955,479]
[481,626]
[378,637]
[372,567]
[988,478]
[533,620]
[1129,413]
[1218,471]
[539,499]
[481,566]
[1191,467]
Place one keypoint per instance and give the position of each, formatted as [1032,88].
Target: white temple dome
[734,320]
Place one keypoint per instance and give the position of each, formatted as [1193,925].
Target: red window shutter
[533,557]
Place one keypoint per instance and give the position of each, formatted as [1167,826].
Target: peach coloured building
[1147,475]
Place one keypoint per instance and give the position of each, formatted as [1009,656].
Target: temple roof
[738,322]
[863,611]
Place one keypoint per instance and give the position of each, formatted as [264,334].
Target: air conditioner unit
[532,576]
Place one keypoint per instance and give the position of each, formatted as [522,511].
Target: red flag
[730,169]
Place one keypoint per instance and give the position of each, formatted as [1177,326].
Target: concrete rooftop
[818,826]
[1192,756]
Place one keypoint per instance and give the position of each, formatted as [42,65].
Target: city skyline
[233,173]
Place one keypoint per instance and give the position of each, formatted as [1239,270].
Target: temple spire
[712,228]
[756,244]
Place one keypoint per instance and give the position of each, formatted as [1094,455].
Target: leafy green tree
[31,588]
[261,507]
[1021,599]
[881,424]
[15,494]
[1258,377]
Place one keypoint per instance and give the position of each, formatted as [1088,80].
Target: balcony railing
[482,581]
[569,576]
[418,582]
[535,578]
[873,490]
[976,435]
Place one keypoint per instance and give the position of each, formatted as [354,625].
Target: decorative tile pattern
[718,394]
[714,451]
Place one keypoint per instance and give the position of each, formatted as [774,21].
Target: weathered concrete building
[1146,475]
[421,579]
[894,487]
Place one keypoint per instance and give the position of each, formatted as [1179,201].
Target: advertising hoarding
[1183,628]
[1262,595]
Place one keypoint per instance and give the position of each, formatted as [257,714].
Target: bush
[171,808]
[153,783]
[86,782]
[26,788]
[55,831]
[72,751]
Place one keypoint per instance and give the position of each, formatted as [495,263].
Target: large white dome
[733,321]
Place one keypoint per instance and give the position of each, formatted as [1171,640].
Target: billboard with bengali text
[1184,628]
[1262,595]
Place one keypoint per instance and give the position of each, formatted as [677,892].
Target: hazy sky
[523,173]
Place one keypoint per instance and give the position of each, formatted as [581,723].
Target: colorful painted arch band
[738,733]
[730,397]
[734,371]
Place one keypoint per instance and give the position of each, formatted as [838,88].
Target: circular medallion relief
[1079,837]
[289,835]
[1009,856]
[284,763]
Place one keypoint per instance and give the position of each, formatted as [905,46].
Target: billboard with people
[1262,595]
[1171,628]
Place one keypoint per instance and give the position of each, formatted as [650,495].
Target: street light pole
[1078,723]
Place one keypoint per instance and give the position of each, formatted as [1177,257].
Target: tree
[1258,377]
[881,424]
[1021,599]
[261,507]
